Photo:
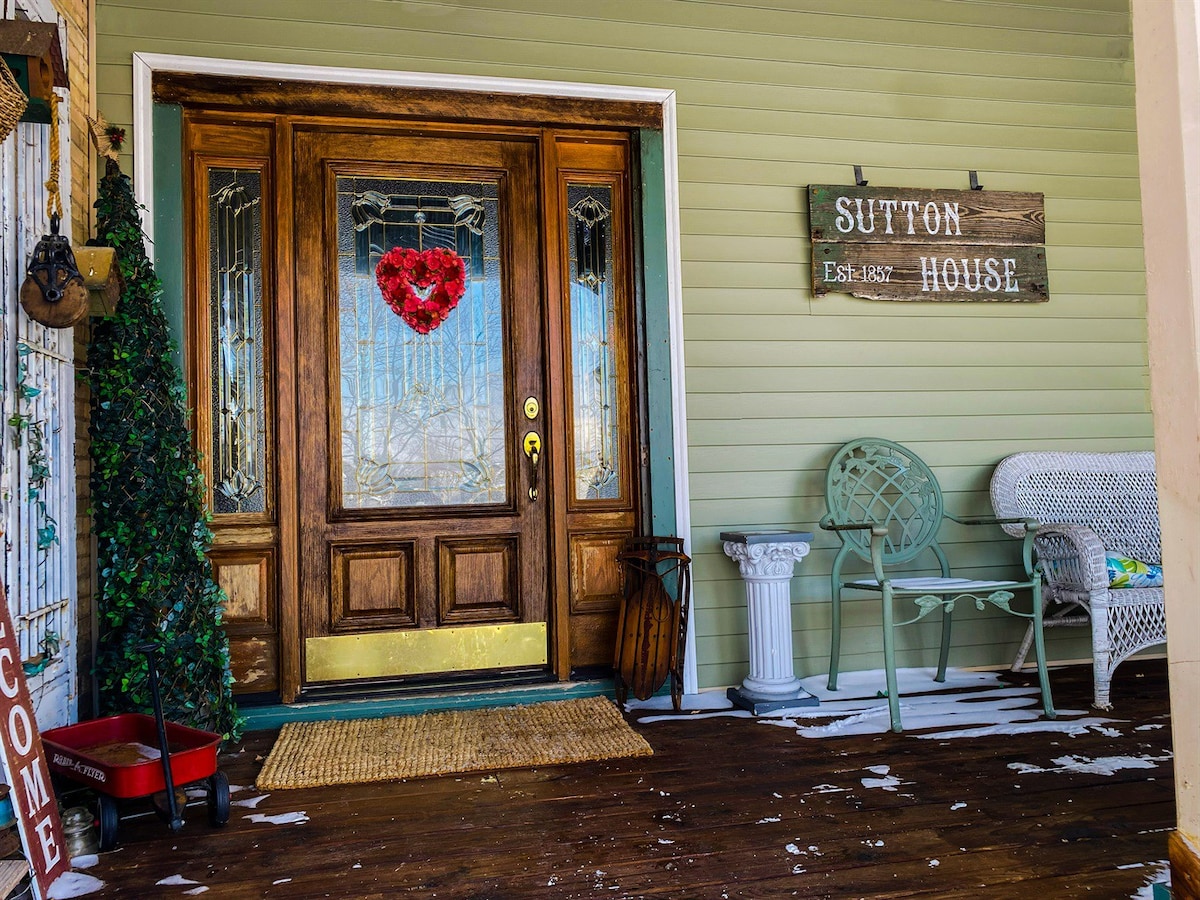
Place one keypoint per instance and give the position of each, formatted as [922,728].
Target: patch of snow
[890,783]
[250,802]
[934,863]
[828,789]
[176,879]
[1160,875]
[73,884]
[870,843]
[768,819]
[730,713]
[879,770]
[798,869]
[84,862]
[356,866]
[705,700]
[1151,727]
[967,705]
[290,818]
[665,841]
[959,805]
[196,890]
[1103,765]
[792,849]
[777,796]
[281,881]
[1068,727]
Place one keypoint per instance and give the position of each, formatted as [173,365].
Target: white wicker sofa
[1088,503]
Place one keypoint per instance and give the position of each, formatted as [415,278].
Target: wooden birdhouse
[32,51]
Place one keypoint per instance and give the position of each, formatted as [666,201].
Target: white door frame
[146,64]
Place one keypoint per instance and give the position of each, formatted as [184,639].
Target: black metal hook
[858,177]
[974,176]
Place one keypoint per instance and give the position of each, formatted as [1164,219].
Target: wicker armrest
[1072,557]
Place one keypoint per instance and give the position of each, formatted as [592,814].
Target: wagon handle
[164,749]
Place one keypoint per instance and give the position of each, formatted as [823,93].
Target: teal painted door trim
[262,718]
[168,218]
[661,438]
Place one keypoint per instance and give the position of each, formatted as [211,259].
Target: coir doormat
[359,751]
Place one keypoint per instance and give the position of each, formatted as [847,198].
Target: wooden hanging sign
[24,765]
[886,243]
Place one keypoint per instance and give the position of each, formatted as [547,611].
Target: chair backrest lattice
[879,481]
[1114,494]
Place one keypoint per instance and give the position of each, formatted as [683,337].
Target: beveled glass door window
[594,344]
[239,433]
[422,415]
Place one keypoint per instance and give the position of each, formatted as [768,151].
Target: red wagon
[135,755]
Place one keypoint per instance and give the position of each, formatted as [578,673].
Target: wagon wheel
[110,821]
[218,799]
[676,692]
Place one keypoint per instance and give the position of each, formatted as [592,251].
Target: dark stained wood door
[369,480]
[421,491]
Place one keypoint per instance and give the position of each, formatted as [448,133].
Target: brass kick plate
[382,654]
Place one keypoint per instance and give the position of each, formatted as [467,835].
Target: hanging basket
[12,101]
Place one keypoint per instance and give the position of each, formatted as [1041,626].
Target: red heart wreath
[421,286]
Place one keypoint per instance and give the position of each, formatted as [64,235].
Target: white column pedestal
[766,561]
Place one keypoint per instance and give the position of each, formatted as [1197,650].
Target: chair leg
[889,661]
[944,655]
[1019,659]
[1039,645]
[835,641]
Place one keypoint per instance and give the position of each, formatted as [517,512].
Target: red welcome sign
[25,766]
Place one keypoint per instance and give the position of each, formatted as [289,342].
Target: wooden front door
[421,496]
[401,498]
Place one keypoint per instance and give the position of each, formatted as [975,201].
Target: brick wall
[79,16]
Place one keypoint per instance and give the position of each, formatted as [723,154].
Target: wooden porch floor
[727,807]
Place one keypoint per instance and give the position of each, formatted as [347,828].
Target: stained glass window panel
[235,311]
[593,343]
[422,415]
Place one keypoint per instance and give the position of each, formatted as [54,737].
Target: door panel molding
[478,580]
[372,586]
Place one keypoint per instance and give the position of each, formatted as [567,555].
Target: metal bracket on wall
[974,176]
[858,177]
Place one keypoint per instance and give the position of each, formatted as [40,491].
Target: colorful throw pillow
[1124,572]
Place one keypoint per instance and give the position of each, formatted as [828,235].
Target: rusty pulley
[53,292]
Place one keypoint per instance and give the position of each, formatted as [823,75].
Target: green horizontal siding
[1036,95]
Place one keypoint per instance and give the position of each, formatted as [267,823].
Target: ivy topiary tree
[155,585]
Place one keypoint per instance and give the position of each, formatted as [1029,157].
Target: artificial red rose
[421,286]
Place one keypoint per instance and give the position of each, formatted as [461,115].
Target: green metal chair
[886,506]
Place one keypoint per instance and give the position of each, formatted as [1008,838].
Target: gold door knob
[532,445]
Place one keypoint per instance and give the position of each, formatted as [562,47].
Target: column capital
[766,560]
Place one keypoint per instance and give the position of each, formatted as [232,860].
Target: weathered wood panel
[912,215]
